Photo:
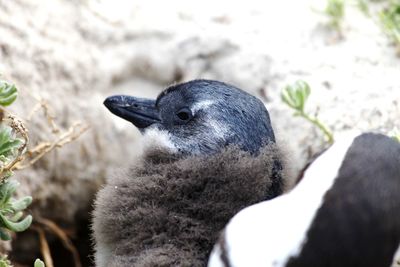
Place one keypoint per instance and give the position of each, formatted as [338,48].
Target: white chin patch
[154,138]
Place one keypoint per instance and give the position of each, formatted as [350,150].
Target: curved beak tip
[139,111]
[109,102]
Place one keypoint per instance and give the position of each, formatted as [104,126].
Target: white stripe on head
[202,105]
[219,129]
[269,233]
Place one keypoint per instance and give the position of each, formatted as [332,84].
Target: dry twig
[36,153]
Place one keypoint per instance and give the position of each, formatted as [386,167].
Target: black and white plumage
[209,152]
[344,212]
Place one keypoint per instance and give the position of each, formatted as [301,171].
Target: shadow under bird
[344,212]
[208,151]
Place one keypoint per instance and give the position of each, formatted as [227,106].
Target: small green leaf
[5,134]
[21,204]
[38,263]
[6,190]
[17,216]
[16,226]
[8,93]
[289,97]
[8,146]
[295,96]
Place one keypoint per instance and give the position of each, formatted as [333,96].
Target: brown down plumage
[168,210]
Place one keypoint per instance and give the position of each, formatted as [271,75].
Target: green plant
[4,262]
[8,93]
[11,209]
[295,96]
[38,263]
[390,19]
[14,155]
[335,10]
[8,150]
[11,149]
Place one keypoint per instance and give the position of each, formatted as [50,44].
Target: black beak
[141,112]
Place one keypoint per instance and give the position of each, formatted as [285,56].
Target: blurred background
[66,57]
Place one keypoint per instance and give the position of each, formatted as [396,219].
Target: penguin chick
[210,152]
[344,212]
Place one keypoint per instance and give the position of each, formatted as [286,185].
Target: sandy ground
[75,53]
[261,46]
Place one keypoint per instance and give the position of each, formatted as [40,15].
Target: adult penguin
[344,212]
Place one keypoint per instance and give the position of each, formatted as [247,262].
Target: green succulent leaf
[11,210]
[288,96]
[8,93]
[6,190]
[21,204]
[17,216]
[5,134]
[296,95]
[38,263]
[8,146]
[16,226]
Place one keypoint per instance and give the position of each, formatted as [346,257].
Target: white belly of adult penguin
[209,152]
[345,212]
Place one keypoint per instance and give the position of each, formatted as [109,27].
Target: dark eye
[184,114]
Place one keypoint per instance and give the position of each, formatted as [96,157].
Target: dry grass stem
[44,247]
[61,234]
[48,113]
